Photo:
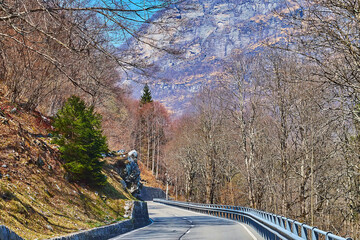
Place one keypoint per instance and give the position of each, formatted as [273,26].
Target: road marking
[191,226]
[202,214]
[125,234]
[250,233]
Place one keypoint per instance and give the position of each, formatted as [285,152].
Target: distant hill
[207,33]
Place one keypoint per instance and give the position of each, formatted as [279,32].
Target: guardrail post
[314,234]
[295,229]
[303,232]
[327,236]
[274,218]
[278,220]
[288,225]
[282,223]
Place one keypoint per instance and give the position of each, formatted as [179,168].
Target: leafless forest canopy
[279,131]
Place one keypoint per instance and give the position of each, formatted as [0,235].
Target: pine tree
[78,133]
[146,97]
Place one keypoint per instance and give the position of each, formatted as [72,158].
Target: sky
[132,21]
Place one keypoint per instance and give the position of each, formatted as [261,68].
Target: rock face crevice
[139,218]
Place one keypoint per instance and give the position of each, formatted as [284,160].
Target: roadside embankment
[139,218]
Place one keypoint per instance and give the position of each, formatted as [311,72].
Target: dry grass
[35,200]
[148,178]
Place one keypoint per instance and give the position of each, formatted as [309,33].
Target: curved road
[176,223]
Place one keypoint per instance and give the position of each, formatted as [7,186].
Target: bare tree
[48,44]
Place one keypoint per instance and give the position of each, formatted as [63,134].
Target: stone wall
[149,193]
[7,234]
[139,218]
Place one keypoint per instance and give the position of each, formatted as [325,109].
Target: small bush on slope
[78,133]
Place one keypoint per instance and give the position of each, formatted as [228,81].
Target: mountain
[206,33]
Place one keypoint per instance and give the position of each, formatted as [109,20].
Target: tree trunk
[153,154]
[148,148]
[157,158]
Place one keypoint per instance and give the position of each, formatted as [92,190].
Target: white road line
[191,226]
[196,213]
[250,233]
[125,234]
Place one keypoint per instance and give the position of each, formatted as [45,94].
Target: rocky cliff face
[207,33]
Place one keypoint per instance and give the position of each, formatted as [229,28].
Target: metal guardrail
[270,226]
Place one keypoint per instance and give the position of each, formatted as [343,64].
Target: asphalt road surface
[176,223]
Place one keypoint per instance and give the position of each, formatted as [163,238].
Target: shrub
[79,136]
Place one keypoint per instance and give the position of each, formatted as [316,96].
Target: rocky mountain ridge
[207,33]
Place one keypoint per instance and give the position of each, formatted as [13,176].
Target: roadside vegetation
[278,131]
[36,200]
[81,143]
[51,185]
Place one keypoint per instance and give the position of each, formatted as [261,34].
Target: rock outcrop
[131,173]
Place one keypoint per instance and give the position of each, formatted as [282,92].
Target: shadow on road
[198,220]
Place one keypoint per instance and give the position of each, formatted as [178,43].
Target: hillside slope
[36,201]
[148,179]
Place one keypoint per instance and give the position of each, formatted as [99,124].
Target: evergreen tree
[78,133]
[146,97]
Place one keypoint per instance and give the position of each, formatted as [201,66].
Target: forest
[278,130]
